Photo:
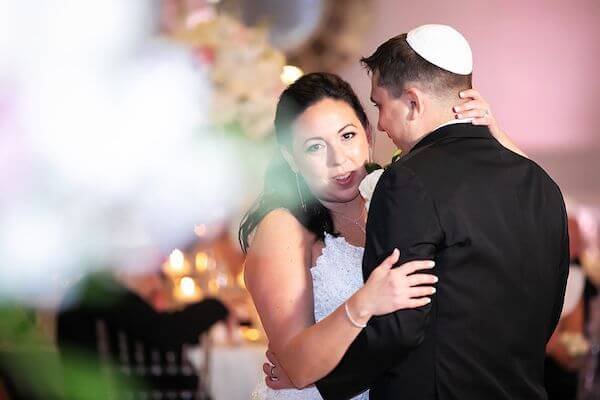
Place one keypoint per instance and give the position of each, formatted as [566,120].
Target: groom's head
[416,79]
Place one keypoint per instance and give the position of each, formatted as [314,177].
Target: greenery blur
[33,366]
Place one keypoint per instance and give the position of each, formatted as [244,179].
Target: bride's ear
[287,156]
[370,137]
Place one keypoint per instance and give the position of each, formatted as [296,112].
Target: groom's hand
[276,378]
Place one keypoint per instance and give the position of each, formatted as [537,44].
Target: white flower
[367,186]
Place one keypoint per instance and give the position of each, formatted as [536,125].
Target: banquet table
[234,370]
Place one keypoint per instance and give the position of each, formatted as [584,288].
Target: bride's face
[329,149]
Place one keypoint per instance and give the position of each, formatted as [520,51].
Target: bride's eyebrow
[339,131]
[313,138]
[345,126]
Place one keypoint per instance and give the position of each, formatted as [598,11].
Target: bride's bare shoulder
[279,255]
[281,230]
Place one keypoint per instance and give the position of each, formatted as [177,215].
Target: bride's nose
[337,156]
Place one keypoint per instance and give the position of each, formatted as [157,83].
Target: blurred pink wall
[536,62]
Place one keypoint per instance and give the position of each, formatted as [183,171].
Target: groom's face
[393,114]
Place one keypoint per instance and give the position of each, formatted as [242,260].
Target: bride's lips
[345,180]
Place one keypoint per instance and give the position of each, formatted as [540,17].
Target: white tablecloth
[234,370]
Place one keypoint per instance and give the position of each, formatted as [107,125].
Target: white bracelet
[352,321]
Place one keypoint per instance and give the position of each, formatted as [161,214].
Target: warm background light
[290,74]
[176,259]
[201,262]
[176,265]
[200,230]
[188,286]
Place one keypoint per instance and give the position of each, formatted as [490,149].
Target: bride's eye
[314,148]
[348,135]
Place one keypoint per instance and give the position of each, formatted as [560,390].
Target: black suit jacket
[495,224]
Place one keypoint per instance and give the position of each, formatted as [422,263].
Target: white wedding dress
[336,276]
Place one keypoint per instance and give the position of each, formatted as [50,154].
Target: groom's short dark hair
[397,63]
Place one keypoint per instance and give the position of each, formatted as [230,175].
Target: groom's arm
[563,272]
[402,215]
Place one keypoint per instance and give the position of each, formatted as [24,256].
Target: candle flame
[201,261]
[188,286]
[177,260]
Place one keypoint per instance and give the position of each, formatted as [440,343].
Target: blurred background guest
[121,326]
[568,344]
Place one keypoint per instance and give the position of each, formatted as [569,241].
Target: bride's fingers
[414,266]
[476,113]
[276,385]
[271,357]
[416,303]
[421,279]
[481,121]
[421,291]
[471,105]
[272,384]
[267,368]
[472,93]
[389,262]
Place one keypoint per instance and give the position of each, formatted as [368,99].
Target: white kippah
[443,46]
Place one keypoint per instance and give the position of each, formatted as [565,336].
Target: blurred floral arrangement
[247,75]
[246,71]
[338,39]
[107,154]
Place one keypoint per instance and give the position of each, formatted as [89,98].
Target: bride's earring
[371,142]
[302,203]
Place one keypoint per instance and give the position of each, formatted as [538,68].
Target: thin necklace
[354,221]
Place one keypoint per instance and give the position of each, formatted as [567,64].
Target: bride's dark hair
[281,190]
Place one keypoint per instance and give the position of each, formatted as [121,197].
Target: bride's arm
[475,108]
[278,278]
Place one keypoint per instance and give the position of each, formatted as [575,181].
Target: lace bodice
[336,275]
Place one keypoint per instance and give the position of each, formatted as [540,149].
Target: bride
[304,238]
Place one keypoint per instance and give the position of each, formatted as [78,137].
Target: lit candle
[187,290]
[177,265]
[201,262]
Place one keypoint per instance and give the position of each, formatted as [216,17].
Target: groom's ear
[414,99]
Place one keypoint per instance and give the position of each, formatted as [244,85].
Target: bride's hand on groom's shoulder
[391,289]
[478,108]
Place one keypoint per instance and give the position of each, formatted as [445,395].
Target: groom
[493,221]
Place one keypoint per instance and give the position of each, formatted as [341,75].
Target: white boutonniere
[367,186]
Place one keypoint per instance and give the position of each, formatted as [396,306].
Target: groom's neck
[436,117]
[439,113]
